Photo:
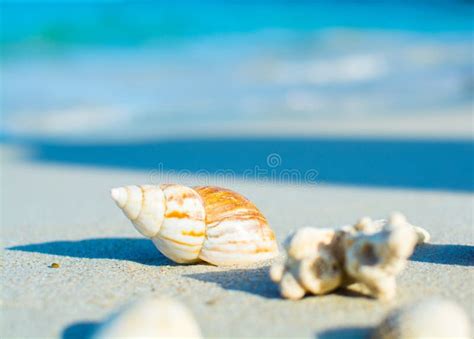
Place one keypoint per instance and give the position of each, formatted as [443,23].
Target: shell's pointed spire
[143,205]
[120,195]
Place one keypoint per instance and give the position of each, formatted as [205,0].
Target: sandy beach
[319,112]
[61,212]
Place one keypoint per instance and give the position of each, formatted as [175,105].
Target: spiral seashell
[206,223]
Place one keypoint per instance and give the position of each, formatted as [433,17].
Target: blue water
[106,68]
[129,23]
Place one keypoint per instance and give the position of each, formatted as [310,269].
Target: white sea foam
[345,69]
[262,77]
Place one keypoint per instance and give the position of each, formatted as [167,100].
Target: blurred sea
[119,69]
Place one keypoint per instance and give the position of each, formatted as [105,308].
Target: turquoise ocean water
[92,69]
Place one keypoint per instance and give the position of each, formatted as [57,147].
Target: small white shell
[430,318]
[150,318]
[206,223]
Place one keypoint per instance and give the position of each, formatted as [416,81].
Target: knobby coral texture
[370,253]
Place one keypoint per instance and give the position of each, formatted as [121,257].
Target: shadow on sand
[345,332]
[84,330]
[255,281]
[404,163]
[447,254]
[132,249]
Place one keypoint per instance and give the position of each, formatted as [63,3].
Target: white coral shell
[203,223]
[370,253]
[151,318]
[310,264]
